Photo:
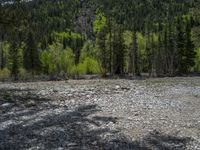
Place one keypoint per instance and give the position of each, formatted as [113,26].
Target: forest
[107,37]
[99,74]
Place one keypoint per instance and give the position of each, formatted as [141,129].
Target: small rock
[6,105]
[107,90]
[94,143]
[126,88]
[55,91]
[88,96]
[117,87]
[136,114]
[42,92]
[71,144]
[70,95]
[31,103]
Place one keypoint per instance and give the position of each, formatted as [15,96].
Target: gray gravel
[155,114]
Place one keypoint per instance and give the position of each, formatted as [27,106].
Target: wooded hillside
[115,37]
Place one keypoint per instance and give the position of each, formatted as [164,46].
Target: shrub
[81,69]
[44,58]
[56,60]
[92,66]
[23,74]
[89,66]
[5,73]
[67,61]
[197,61]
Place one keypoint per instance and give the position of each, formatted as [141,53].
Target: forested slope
[77,37]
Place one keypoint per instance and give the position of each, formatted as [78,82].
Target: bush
[89,66]
[45,60]
[67,61]
[23,74]
[5,73]
[92,66]
[56,60]
[197,61]
[81,69]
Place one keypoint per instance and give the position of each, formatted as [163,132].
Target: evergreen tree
[190,49]
[135,55]
[15,59]
[180,45]
[2,55]
[103,55]
[40,20]
[172,50]
[118,52]
[31,54]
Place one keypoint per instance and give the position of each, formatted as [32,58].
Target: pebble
[117,87]
[6,105]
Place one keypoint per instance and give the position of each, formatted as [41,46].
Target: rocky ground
[155,114]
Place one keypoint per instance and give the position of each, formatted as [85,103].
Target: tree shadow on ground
[159,141]
[52,127]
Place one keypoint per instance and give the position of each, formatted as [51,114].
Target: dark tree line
[117,37]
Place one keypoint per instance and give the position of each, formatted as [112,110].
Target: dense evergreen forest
[107,37]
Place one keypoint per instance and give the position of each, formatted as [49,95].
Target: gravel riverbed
[154,114]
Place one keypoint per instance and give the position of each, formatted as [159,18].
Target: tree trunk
[2,53]
[135,56]
[110,47]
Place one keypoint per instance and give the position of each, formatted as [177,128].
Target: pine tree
[172,49]
[189,49]
[31,54]
[185,46]
[2,57]
[159,57]
[44,18]
[15,59]
[118,52]
[180,46]
[135,55]
[148,54]
[101,43]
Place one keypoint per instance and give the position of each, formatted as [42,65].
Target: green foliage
[93,36]
[81,69]
[128,42]
[102,51]
[119,53]
[186,47]
[128,38]
[141,45]
[23,74]
[60,36]
[89,66]
[57,60]
[70,39]
[190,48]
[4,56]
[100,22]
[88,50]
[31,54]
[88,60]
[5,73]
[197,61]
[50,58]
[67,61]
[142,51]
[16,58]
